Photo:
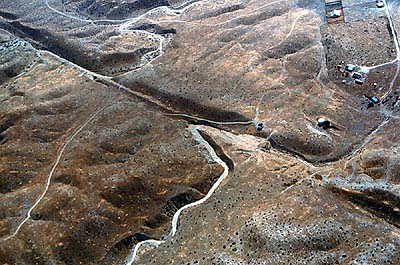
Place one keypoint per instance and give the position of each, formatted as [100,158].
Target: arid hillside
[199,132]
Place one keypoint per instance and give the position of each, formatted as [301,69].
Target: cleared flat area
[363,12]
[360,42]
[348,3]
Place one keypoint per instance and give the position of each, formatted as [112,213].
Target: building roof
[350,67]
[357,75]
[375,99]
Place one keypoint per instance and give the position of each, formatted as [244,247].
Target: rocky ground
[102,103]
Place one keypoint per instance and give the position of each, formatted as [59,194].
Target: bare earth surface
[116,114]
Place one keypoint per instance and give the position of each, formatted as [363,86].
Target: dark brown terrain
[111,112]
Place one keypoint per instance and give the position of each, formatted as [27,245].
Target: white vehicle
[380,4]
[334,13]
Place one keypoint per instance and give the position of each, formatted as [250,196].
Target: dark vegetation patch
[86,242]
[154,28]
[182,104]
[128,242]
[180,200]
[378,202]
[7,15]
[43,39]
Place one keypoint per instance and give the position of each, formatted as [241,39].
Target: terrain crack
[382,204]
[218,150]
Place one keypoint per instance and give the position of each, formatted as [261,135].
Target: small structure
[323,123]
[333,4]
[260,126]
[374,100]
[380,4]
[357,75]
[358,78]
[350,70]
[334,11]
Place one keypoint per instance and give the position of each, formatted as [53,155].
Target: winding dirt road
[60,153]
[174,224]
